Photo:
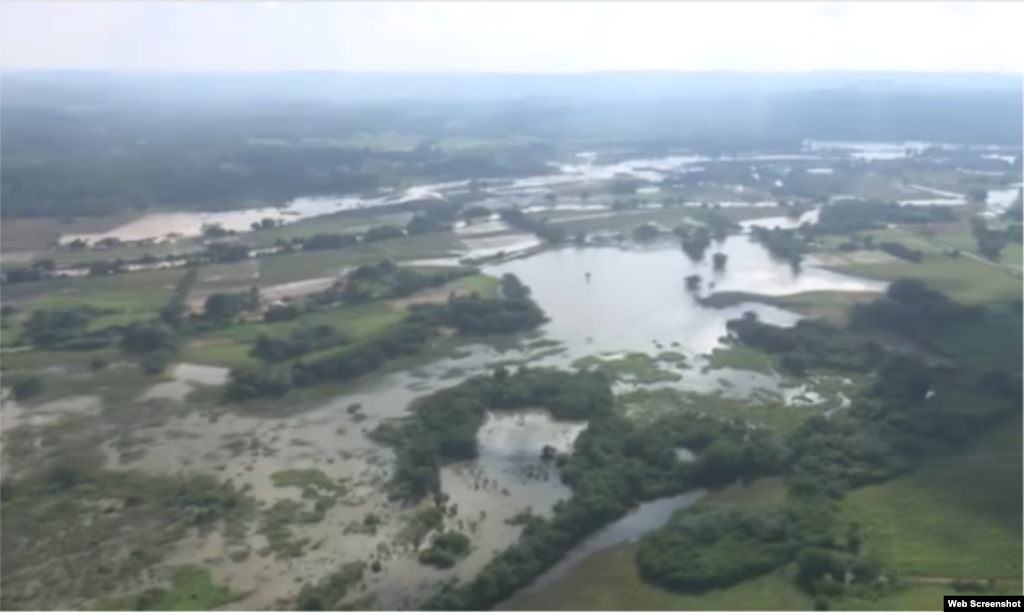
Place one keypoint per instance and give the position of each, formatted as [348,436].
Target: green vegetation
[616,463]
[739,358]
[444,425]
[634,367]
[73,505]
[907,491]
[191,589]
[727,544]
[446,549]
[610,580]
[514,311]
[954,517]
[308,479]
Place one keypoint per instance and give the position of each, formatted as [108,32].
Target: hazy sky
[520,36]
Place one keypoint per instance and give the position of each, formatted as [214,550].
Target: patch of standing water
[510,477]
[186,378]
[635,300]
[647,517]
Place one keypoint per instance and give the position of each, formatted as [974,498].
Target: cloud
[512,36]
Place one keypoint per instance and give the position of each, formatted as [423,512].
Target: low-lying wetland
[289,494]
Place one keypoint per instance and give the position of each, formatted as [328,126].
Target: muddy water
[184,224]
[509,478]
[636,298]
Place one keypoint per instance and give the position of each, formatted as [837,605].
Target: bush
[715,546]
[26,388]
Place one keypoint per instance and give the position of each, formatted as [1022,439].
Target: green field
[963,279]
[958,516]
[136,296]
[230,347]
[326,224]
[589,221]
[740,358]
[88,256]
[610,580]
[192,588]
[314,264]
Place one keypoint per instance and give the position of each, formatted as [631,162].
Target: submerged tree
[693,282]
[719,260]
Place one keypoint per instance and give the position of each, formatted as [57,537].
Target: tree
[719,260]
[693,282]
[977,195]
[142,338]
[645,233]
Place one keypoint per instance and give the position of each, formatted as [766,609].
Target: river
[528,190]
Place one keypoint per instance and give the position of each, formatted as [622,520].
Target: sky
[524,36]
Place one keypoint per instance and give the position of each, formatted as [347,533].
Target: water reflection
[636,298]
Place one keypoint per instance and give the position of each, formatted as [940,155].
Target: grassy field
[959,516]
[740,358]
[963,279]
[135,296]
[191,589]
[314,264]
[230,347]
[326,224]
[588,221]
[768,411]
[486,286]
[149,287]
[86,257]
[610,580]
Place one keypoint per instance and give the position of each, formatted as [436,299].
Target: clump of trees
[788,244]
[444,425]
[694,240]
[616,463]
[845,217]
[911,307]
[990,243]
[302,340]
[719,260]
[513,311]
[68,329]
[446,549]
[723,544]
[902,251]
[646,232]
[541,228]
[809,343]
[26,387]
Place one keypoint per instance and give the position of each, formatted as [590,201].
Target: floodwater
[635,301]
[647,517]
[528,190]
[636,298]
[170,226]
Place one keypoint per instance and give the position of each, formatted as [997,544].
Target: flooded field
[636,298]
[529,192]
[624,309]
